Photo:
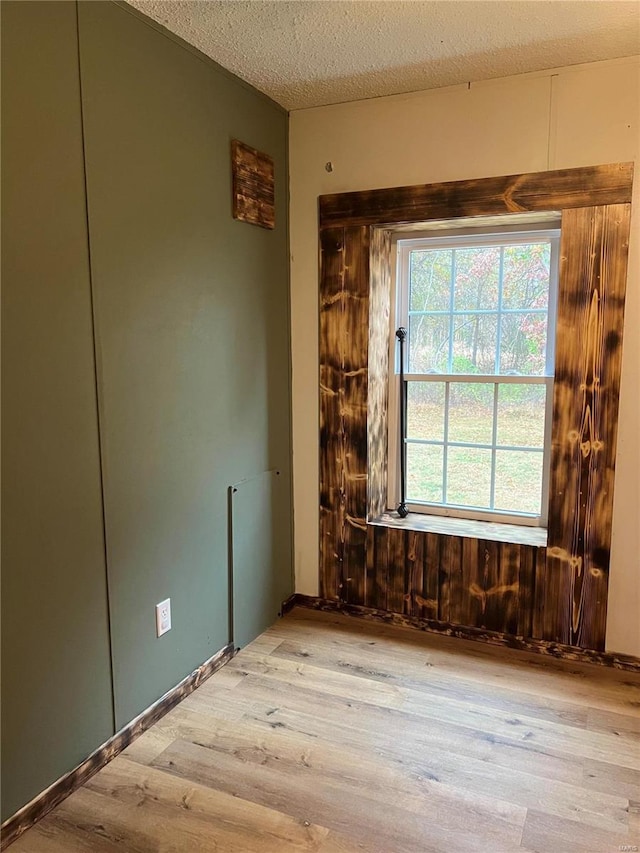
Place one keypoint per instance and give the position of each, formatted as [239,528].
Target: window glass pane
[424,472]
[474,343]
[480,310]
[468,476]
[430,280]
[477,273]
[521,415]
[425,410]
[428,344]
[523,344]
[526,276]
[518,481]
[471,412]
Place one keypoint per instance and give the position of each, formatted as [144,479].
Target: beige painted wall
[567,117]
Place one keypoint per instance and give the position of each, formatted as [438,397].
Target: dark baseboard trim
[289,603]
[30,814]
[559,651]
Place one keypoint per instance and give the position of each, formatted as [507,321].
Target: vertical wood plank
[502,605]
[526,590]
[544,595]
[331,334]
[344,307]
[353,405]
[466,608]
[487,586]
[486,595]
[377,592]
[370,567]
[415,571]
[397,577]
[593,270]
[377,403]
[431,575]
[450,579]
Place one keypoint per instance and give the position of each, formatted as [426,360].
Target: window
[479,309]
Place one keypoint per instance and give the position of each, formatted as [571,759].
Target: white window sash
[400,316]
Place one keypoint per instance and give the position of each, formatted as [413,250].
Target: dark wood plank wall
[482,584]
[331,388]
[593,272]
[344,338]
[557,593]
[353,405]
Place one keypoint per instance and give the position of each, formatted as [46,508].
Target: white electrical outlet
[163,617]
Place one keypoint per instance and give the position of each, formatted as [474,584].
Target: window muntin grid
[496,306]
[457,445]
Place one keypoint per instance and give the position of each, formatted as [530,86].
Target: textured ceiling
[306,54]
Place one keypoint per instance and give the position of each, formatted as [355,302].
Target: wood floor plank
[549,834]
[616,723]
[595,745]
[424,676]
[207,813]
[448,775]
[148,746]
[400,820]
[352,765]
[332,735]
[345,720]
[603,776]
[59,835]
[141,809]
[335,843]
[589,685]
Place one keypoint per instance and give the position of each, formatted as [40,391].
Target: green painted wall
[56,688]
[192,323]
[190,314]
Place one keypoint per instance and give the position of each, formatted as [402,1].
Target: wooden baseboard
[291,602]
[30,814]
[628,663]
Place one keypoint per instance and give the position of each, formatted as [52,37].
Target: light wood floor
[334,735]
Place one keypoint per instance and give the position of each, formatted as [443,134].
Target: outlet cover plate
[163,617]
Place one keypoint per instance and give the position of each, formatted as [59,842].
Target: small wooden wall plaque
[253,185]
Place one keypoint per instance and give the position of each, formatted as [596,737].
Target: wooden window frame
[566,598]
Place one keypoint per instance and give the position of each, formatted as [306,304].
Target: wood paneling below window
[466,581]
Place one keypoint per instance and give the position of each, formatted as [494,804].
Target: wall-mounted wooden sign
[253,185]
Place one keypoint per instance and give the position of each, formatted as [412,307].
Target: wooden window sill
[514,534]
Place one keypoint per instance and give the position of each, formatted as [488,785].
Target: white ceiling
[308,53]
